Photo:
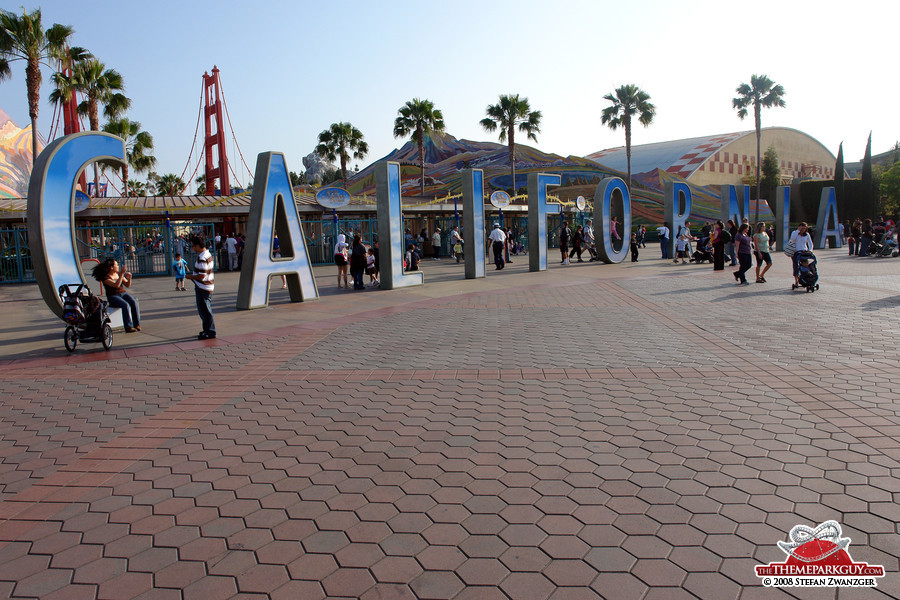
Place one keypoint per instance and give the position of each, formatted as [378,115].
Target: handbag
[790,248]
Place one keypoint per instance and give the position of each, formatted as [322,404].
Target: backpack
[725,236]
[73,310]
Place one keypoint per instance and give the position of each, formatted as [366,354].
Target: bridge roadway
[634,431]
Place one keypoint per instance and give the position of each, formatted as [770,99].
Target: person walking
[589,240]
[454,241]
[436,244]
[358,263]
[231,245]
[642,236]
[868,235]
[577,240]
[564,237]
[761,248]
[341,255]
[498,238]
[802,242]
[204,284]
[729,245]
[744,249]
[663,234]
[717,239]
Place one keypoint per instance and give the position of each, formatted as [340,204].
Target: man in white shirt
[231,246]
[436,244]
[454,240]
[663,239]
[498,238]
[589,239]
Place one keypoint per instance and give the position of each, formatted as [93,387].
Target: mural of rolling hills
[447,156]
[15,158]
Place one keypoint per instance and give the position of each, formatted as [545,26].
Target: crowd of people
[715,242]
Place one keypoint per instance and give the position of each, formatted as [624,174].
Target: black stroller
[703,252]
[808,276]
[87,317]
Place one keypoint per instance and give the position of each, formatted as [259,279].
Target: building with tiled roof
[728,158]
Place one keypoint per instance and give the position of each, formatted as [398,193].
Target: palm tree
[99,85]
[510,112]
[421,118]
[138,146]
[762,92]
[63,79]
[628,101]
[23,38]
[337,141]
[169,184]
[137,189]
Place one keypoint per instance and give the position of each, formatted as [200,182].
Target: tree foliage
[138,147]
[760,93]
[169,185]
[771,172]
[339,142]
[628,101]
[510,113]
[420,118]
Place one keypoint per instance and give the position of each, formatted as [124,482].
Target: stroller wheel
[817,286]
[70,337]
[106,336]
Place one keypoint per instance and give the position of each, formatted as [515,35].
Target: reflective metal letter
[51,201]
[730,207]
[473,222]
[272,209]
[676,217]
[827,212]
[603,216]
[390,235]
[782,216]
[537,219]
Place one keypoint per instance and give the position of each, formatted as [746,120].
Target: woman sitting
[115,280]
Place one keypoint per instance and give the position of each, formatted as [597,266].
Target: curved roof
[680,157]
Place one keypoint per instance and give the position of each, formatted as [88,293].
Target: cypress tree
[839,181]
[868,191]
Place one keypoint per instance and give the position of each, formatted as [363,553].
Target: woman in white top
[802,241]
[341,250]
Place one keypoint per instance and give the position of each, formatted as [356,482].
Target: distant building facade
[728,158]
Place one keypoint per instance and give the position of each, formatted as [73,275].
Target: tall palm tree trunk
[33,83]
[94,118]
[628,149]
[124,179]
[419,134]
[512,157]
[756,114]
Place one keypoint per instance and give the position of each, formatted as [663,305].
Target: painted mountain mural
[15,158]
[446,157]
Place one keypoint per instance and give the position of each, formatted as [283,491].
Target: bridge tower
[216,162]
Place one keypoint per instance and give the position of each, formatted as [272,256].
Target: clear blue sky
[290,69]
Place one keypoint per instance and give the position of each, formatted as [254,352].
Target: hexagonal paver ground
[643,431]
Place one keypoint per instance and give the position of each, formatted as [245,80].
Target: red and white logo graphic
[818,558]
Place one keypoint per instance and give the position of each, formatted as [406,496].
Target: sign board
[82,201]
[580,202]
[333,197]
[500,199]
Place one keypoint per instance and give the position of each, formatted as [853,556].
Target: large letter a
[272,209]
